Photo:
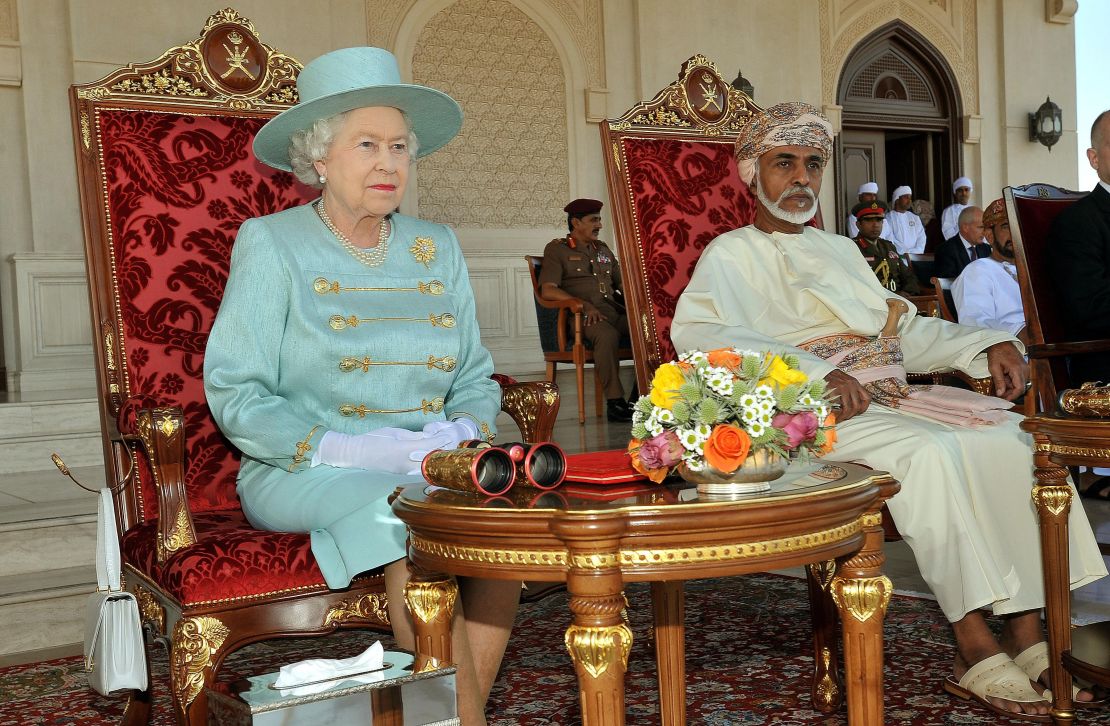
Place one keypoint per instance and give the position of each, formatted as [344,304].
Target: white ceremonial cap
[963,181]
[900,192]
[868,188]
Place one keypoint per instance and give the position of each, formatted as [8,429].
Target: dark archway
[901,118]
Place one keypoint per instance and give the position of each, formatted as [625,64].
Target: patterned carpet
[747,662]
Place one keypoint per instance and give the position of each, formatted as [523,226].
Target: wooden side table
[826,517]
[1059,442]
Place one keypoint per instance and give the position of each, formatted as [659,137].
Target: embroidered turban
[963,181]
[995,213]
[900,192]
[787,124]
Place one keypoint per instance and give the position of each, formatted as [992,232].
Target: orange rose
[656,475]
[724,358]
[830,435]
[727,447]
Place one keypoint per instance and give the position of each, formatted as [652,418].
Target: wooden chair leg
[551,366]
[580,379]
[598,394]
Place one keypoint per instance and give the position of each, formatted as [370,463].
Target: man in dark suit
[1080,262]
[958,251]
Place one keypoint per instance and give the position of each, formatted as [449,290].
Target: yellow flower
[782,375]
[664,386]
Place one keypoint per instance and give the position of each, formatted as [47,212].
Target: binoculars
[479,467]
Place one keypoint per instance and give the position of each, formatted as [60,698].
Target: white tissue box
[426,699]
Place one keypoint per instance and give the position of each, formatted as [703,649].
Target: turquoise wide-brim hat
[351,78]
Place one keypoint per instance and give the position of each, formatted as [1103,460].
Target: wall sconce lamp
[743,85]
[1046,124]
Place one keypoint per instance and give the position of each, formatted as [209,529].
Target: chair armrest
[573,305]
[1055,350]
[533,406]
[162,433]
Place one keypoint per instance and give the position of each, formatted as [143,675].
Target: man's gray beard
[799,217]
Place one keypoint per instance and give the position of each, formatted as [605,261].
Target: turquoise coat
[308,339]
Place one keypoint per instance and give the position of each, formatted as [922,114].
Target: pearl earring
[323,179]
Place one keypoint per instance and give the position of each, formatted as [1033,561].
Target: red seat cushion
[231,560]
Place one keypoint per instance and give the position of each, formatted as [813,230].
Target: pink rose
[798,427]
[662,451]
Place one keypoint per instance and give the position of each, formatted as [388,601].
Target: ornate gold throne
[166,177]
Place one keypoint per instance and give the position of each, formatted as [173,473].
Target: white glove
[459,430]
[398,451]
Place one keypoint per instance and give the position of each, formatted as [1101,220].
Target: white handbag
[115,658]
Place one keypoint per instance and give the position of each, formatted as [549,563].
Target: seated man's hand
[1008,370]
[590,314]
[848,393]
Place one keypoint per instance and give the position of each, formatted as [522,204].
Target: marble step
[43,611]
[31,430]
[40,538]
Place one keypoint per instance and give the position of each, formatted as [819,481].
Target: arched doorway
[901,115]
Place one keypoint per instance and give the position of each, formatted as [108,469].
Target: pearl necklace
[372,257]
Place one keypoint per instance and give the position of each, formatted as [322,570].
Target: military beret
[582,207]
[869,209]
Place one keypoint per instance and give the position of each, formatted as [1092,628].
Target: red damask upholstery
[684,193]
[178,187]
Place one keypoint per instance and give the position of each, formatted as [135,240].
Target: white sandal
[1034,661]
[998,677]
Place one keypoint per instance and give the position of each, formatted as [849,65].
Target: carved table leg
[827,692]
[431,601]
[669,604]
[1052,495]
[196,642]
[862,593]
[598,639]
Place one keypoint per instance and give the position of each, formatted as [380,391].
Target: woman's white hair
[310,145]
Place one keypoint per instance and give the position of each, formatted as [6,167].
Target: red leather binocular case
[477,466]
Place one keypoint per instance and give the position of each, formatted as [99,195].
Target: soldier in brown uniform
[881,254]
[581,266]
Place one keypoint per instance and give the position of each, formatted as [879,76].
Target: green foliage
[787,398]
[817,388]
[691,392]
[681,411]
[639,431]
[791,359]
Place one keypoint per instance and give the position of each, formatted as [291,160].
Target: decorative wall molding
[583,20]
[9,20]
[11,63]
[509,166]
[11,56]
[951,26]
[1060,11]
[52,322]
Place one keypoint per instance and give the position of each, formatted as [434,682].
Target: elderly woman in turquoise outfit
[346,346]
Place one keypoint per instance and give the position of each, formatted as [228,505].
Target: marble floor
[1089,604]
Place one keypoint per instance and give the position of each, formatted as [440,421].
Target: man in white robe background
[964,507]
[906,229]
[950,217]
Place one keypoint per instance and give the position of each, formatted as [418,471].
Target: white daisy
[690,439]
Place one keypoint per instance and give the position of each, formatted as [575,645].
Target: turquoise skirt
[346,513]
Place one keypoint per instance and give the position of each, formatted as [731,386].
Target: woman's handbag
[115,658]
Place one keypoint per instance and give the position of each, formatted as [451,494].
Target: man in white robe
[950,217]
[906,228]
[964,507]
[986,293]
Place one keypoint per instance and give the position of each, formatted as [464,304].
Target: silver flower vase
[753,476]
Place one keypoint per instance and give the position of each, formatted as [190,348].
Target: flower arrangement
[714,410]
